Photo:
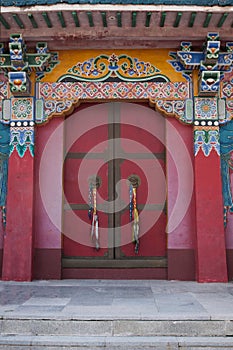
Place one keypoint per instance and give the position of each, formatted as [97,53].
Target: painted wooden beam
[32,20]
[134,19]
[90,19]
[148,18]
[222,20]
[119,22]
[4,22]
[207,20]
[177,20]
[75,18]
[192,19]
[162,19]
[18,21]
[104,19]
[61,19]
[47,19]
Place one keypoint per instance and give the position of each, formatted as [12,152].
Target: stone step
[119,328]
[22,342]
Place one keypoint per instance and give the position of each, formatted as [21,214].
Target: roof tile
[20,3]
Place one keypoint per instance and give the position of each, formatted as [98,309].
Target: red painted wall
[180,181]
[48,242]
[181,226]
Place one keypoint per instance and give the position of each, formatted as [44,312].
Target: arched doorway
[107,147]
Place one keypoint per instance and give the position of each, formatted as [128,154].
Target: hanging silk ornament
[90,211]
[130,202]
[133,213]
[93,216]
[3,216]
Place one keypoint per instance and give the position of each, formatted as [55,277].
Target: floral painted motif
[102,67]
[206,108]
[22,108]
[227,89]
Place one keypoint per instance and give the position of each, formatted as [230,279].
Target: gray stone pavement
[114,300]
[115,315]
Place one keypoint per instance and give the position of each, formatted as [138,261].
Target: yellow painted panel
[158,58]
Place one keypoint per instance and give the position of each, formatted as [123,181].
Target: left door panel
[85,159]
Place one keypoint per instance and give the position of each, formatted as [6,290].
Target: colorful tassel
[90,202]
[131,202]
[3,216]
[93,216]
[133,213]
[225,210]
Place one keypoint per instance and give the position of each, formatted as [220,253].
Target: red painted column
[211,251]
[18,239]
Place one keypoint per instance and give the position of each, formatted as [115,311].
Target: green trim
[177,20]
[75,18]
[222,20]
[18,21]
[104,19]
[134,19]
[90,19]
[4,22]
[33,21]
[207,20]
[192,19]
[119,23]
[61,19]
[47,20]
[162,19]
[148,18]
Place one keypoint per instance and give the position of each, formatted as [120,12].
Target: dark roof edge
[20,3]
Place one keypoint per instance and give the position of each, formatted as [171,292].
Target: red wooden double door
[109,145]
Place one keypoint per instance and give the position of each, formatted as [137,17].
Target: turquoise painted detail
[226,148]
[210,62]
[136,2]
[179,67]
[18,64]
[206,141]
[21,140]
[4,155]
